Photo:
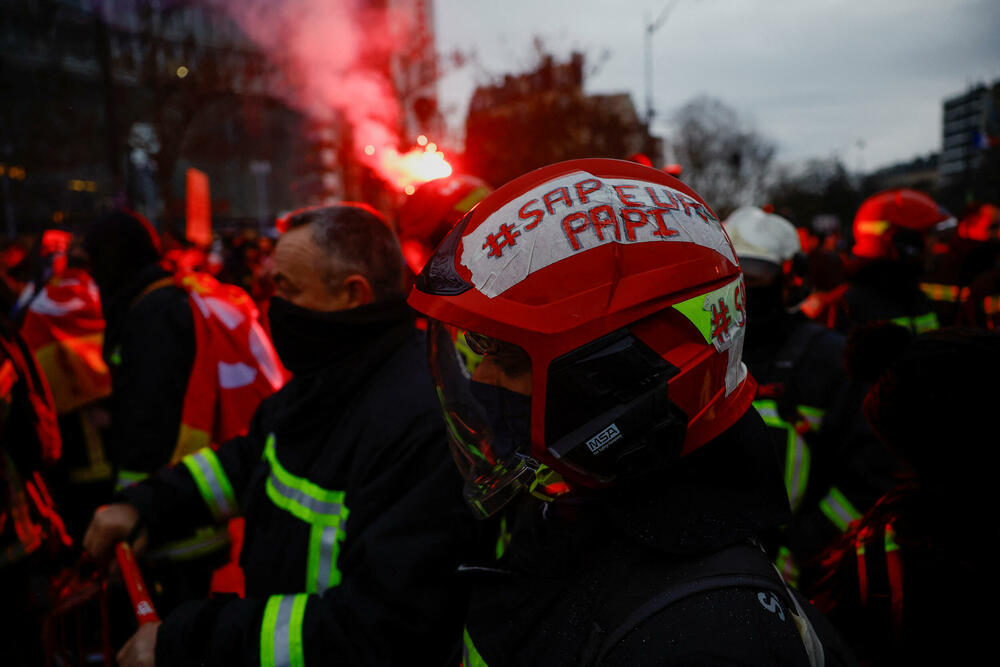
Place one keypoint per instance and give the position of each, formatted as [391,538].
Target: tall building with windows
[970,126]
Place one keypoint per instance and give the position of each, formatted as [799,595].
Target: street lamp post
[652,27]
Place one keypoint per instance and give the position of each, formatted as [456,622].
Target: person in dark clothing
[907,584]
[890,230]
[835,468]
[607,420]
[354,519]
[29,442]
[149,343]
[149,347]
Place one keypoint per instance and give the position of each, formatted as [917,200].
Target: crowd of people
[577,420]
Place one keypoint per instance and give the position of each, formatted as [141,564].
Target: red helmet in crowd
[982,224]
[888,217]
[608,306]
[431,211]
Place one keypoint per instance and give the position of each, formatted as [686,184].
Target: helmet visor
[481,384]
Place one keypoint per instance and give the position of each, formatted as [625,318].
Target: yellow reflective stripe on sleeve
[839,509]
[322,573]
[205,541]
[212,483]
[919,324]
[127,478]
[797,454]
[323,509]
[300,497]
[281,631]
[470,656]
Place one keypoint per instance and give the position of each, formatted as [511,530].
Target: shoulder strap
[691,586]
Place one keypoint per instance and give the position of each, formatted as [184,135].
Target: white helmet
[762,236]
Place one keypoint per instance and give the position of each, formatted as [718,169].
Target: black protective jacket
[355,523]
[835,468]
[149,347]
[906,586]
[884,291]
[577,572]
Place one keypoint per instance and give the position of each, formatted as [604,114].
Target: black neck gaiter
[309,340]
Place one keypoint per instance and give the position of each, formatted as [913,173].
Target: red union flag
[64,327]
[235,365]
[199,208]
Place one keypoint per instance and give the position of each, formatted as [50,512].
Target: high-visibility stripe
[919,324]
[204,542]
[991,305]
[894,571]
[797,453]
[796,467]
[324,548]
[470,656]
[212,482]
[787,566]
[281,631]
[299,496]
[942,292]
[127,478]
[839,509]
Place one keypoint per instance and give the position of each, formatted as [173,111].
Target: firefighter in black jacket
[354,517]
[834,466]
[891,229]
[907,584]
[608,401]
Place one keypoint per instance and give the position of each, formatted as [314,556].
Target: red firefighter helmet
[981,224]
[611,293]
[883,217]
[431,211]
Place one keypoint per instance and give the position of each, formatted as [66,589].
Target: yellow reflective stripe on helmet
[470,656]
[300,497]
[212,482]
[281,631]
[875,227]
[839,509]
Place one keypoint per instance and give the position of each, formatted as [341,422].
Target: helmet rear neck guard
[567,256]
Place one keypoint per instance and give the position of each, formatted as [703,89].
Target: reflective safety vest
[918,324]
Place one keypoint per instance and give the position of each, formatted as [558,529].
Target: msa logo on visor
[621,385]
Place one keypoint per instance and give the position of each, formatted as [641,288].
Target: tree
[724,158]
[820,187]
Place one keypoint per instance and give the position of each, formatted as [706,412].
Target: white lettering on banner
[575,213]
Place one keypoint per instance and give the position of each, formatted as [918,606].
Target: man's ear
[359,290]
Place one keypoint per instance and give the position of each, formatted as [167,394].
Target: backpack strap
[698,581]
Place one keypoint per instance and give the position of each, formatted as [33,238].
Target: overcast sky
[816,76]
